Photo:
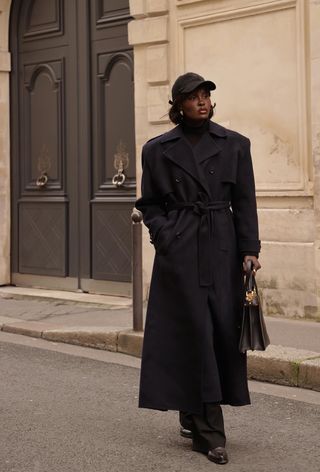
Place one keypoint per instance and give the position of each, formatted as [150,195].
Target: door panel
[113,141]
[111,10]
[43,24]
[43,17]
[115,132]
[111,231]
[42,239]
[72,121]
[44,111]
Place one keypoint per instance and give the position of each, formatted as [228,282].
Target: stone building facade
[265,59]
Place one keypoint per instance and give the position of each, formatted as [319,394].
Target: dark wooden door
[72,124]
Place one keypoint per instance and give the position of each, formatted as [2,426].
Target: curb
[286,366]
[114,339]
[278,364]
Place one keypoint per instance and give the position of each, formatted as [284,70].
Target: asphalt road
[64,412]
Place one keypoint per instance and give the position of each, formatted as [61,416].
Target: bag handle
[249,280]
[250,285]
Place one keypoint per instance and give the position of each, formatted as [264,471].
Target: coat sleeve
[244,204]
[151,204]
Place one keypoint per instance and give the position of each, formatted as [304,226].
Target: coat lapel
[206,148]
[180,152]
[183,155]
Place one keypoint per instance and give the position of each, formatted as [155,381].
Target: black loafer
[185,433]
[218,455]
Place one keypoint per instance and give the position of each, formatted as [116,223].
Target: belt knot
[200,208]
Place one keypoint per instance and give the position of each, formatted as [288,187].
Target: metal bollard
[137,290]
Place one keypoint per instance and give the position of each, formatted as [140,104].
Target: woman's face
[196,106]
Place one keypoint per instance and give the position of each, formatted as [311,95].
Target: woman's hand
[255,262]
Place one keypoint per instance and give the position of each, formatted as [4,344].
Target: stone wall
[314,96]
[264,58]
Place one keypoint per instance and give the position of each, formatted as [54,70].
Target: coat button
[178,235]
[211,171]
[178,180]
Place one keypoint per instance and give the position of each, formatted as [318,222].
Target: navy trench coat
[200,207]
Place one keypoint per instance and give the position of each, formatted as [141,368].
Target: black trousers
[207,428]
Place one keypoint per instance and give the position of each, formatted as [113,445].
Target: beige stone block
[315,90]
[157,63]
[158,107]
[316,165]
[286,225]
[309,374]
[314,27]
[4,180]
[4,95]
[287,265]
[5,5]
[157,6]
[96,337]
[158,129]
[317,273]
[290,303]
[287,280]
[5,61]
[4,27]
[277,364]
[148,30]
[130,342]
[137,8]
[140,87]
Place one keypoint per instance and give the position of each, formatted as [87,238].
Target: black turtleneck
[194,132]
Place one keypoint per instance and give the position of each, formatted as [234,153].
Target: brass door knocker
[119,178]
[121,162]
[42,180]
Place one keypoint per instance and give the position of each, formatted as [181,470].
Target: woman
[198,201]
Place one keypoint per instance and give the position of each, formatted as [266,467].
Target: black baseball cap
[188,82]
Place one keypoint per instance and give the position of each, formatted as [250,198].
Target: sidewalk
[105,322]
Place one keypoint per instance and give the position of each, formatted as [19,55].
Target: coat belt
[205,253]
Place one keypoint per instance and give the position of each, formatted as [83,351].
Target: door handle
[42,180]
[121,162]
[118,179]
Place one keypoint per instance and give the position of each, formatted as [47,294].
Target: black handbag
[254,336]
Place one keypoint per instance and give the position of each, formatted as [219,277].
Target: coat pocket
[167,233]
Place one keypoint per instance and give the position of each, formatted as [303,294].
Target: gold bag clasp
[252,297]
